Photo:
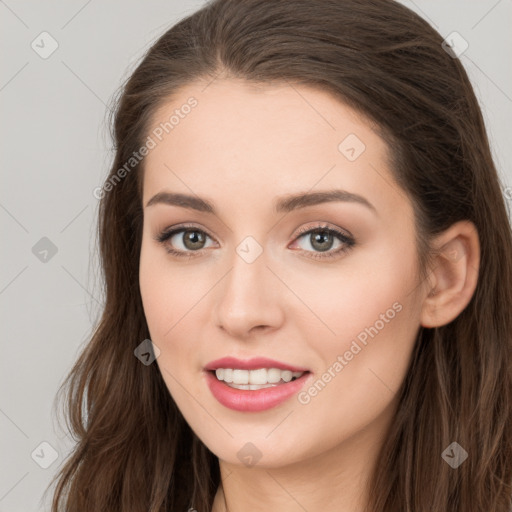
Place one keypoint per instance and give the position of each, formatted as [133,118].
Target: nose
[250,299]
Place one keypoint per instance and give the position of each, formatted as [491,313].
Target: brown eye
[193,239]
[321,240]
[183,241]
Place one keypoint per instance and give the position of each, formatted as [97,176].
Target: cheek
[375,319]
[155,300]
[169,293]
[169,298]
[366,289]
[165,303]
[369,322]
[362,367]
[175,307]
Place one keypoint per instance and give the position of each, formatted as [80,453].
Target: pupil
[322,236]
[193,240]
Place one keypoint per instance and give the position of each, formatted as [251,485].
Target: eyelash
[348,241]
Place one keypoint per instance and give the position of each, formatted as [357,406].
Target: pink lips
[246,400]
[251,364]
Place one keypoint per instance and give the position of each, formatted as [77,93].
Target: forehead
[238,115]
[261,140]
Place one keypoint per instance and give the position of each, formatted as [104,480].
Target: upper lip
[251,364]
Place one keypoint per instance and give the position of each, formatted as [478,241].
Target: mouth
[253,380]
[254,390]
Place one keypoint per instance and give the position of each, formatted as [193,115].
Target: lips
[254,396]
[252,364]
[246,400]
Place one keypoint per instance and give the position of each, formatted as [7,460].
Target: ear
[453,275]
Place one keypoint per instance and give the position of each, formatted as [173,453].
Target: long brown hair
[134,452]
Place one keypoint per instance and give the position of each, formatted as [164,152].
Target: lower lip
[253,400]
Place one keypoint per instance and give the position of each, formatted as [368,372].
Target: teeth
[240,377]
[287,375]
[260,378]
[273,375]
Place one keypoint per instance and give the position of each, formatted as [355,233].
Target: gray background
[56,151]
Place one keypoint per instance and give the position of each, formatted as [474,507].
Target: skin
[241,148]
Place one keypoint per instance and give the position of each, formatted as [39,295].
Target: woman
[308,269]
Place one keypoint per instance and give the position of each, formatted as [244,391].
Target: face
[325,284]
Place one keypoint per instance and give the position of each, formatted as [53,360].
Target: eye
[321,240]
[184,241]
[187,239]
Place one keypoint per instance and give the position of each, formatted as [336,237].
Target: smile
[255,379]
[254,390]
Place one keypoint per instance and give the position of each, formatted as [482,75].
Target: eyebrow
[284,204]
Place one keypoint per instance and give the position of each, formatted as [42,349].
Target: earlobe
[454,274]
